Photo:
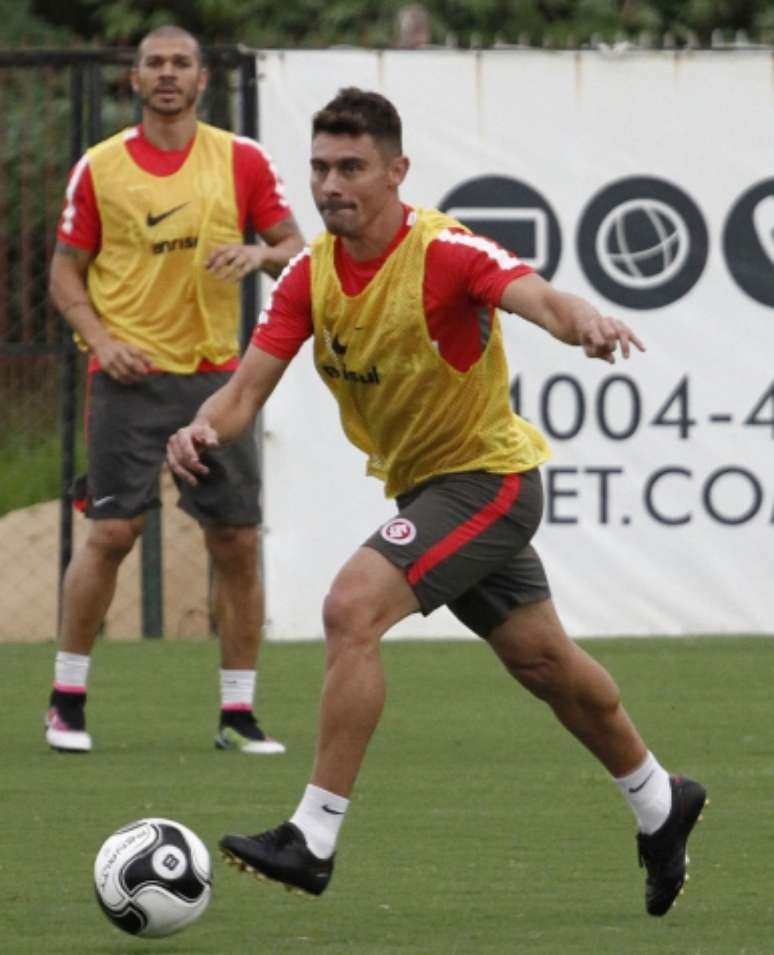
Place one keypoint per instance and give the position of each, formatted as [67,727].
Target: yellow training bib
[148,281]
[413,414]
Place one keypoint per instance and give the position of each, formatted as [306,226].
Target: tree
[372,23]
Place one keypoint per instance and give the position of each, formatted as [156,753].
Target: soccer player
[146,270]
[401,304]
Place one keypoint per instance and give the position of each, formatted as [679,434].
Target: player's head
[169,72]
[357,160]
[355,112]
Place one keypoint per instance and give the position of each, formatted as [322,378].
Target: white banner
[644,182]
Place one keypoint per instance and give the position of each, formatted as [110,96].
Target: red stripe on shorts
[471,528]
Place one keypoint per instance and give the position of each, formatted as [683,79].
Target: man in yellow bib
[147,267]
[401,304]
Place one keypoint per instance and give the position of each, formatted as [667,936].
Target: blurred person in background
[146,271]
[413,27]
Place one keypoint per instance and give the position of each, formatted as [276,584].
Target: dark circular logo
[513,214]
[748,242]
[642,242]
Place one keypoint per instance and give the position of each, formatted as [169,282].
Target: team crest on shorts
[398,531]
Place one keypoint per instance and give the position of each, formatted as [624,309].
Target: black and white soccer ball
[153,877]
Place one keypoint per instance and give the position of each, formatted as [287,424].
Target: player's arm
[226,413]
[261,200]
[569,318]
[69,292]
[280,243]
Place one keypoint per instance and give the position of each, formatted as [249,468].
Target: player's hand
[233,262]
[123,362]
[601,336]
[184,448]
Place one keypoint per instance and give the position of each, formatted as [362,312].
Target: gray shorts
[127,431]
[463,541]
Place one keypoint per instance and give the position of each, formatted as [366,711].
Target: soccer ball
[153,877]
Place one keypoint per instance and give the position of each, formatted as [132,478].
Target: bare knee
[541,676]
[536,651]
[569,678]
[112,540]
[348,619]
[233,549]
[342,611]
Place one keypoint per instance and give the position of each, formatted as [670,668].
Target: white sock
[319,816]
[237,689]
[649,793]
[71,672]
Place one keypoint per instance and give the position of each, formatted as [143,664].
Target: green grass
[478,826]
[31,470]
[30,438]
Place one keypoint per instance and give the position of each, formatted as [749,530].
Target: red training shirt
[260,192]
[463,284]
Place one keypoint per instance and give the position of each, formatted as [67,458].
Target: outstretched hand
[600,336]
[184,448]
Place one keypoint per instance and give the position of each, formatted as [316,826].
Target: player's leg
[237,594]
[413,562]
[367,597]
[121,485]
[90,581]
[535,649]
[238,603]
[87,592]
[227,505]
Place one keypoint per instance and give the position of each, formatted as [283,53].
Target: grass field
[478,825]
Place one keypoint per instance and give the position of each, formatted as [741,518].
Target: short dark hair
[356,112]
[169,30]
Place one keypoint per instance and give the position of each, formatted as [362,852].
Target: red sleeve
[476,266]
[260,191]
[286,322]
[80,223]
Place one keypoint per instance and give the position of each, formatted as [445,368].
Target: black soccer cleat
[65,723]
[280,854]
[239,731]
[663,853]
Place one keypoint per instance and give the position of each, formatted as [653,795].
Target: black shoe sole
[240,864]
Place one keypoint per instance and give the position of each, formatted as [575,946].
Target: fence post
[152,577]
[69,372]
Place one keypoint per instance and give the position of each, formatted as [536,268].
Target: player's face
[353,181]
[169,75]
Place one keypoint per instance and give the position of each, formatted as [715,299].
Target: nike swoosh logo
[103,500]
[152,220]
[333,812]
[642,785]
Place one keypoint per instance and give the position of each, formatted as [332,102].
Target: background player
[146,269]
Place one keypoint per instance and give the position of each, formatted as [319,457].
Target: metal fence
[55,104]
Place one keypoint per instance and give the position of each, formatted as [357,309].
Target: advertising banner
[643,182]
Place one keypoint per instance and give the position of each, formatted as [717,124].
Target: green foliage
[30,436]
[21,26]
[30,469]
[372,23]
[478,825]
